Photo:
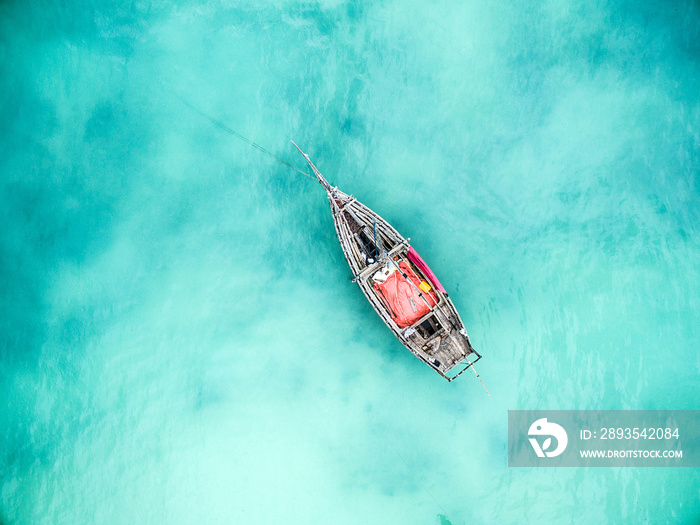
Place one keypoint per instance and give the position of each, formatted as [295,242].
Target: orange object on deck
[406,303]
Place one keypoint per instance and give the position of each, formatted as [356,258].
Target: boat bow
[320,177]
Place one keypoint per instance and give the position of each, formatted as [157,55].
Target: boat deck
[443,350]
[370,243]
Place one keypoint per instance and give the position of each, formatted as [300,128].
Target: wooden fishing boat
[399,285]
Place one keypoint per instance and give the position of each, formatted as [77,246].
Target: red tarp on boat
[416,259]
[403,299]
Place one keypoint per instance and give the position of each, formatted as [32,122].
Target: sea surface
[180,341]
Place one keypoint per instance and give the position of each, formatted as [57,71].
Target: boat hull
[371,244]
[439,338]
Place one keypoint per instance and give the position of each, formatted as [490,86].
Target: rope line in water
[230,131]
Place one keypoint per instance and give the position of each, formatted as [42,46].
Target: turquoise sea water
[179,338]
